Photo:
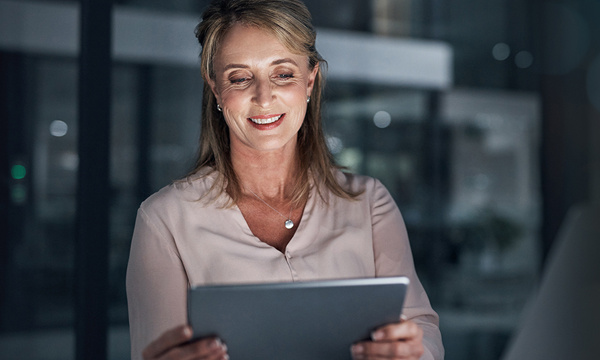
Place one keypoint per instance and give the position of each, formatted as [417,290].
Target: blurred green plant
[488,227]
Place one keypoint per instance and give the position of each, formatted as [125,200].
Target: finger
[375,350]
[206,349]
[405,330]
[167,340]
[388,350]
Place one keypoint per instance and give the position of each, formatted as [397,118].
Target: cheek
[233,110]
[233,100]
[295,94]
[232,119]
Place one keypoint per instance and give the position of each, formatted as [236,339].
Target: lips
[265,120]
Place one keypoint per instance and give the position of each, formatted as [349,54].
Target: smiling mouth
[265,121]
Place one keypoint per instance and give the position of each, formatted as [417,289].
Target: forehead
[251,45]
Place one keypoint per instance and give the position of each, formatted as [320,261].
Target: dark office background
[484,164]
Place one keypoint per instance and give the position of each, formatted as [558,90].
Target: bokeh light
[382,119]
[18,194]
[59,128]
[18,172]
[501,51]
[523,59]
[335,144]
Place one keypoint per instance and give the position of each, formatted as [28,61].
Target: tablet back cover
[302,320]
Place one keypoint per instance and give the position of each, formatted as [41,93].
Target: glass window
[462,164]
[38,269]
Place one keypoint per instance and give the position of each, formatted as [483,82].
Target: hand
[403,340]
[174,344]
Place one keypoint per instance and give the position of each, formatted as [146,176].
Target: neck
[269,174]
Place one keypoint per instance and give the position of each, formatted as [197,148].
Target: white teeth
[266,121]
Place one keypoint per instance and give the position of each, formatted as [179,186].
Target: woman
[265,202]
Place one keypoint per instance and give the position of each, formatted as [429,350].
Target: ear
[213,88]
[311,79]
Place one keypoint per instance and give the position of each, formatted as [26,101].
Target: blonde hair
[290,22]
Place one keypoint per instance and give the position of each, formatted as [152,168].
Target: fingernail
[357,349]
[403,317]
[377,335]
[187,332]
[216,343]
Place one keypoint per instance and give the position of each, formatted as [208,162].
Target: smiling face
[262,88]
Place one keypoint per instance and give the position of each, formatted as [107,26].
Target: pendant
[289,224]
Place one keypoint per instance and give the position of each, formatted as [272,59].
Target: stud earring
[219,108]
[307,99]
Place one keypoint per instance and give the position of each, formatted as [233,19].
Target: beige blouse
[181,241]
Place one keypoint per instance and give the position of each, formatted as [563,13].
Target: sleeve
[393,257]
[156,284]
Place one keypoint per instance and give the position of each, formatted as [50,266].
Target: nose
[263,93]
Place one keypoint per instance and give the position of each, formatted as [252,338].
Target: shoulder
[374,196]
[358,183]
[194,189]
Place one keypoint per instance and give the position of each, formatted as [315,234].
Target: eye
[285,76]
[238,80]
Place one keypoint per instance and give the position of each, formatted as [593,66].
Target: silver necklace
[288,221]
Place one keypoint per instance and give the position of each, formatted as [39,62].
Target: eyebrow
[235,66]
[275,62]
[284,61]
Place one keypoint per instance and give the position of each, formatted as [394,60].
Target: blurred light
[18,194]
[523,59]
[489,120]
[69,160]
[593,83]
[405,166]
[18,172]
[335,144]
[351,158]
[501,51]
[58,128]
[382,119]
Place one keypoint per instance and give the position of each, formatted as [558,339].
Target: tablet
[295,321]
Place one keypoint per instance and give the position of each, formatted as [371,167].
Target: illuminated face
[262,88]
